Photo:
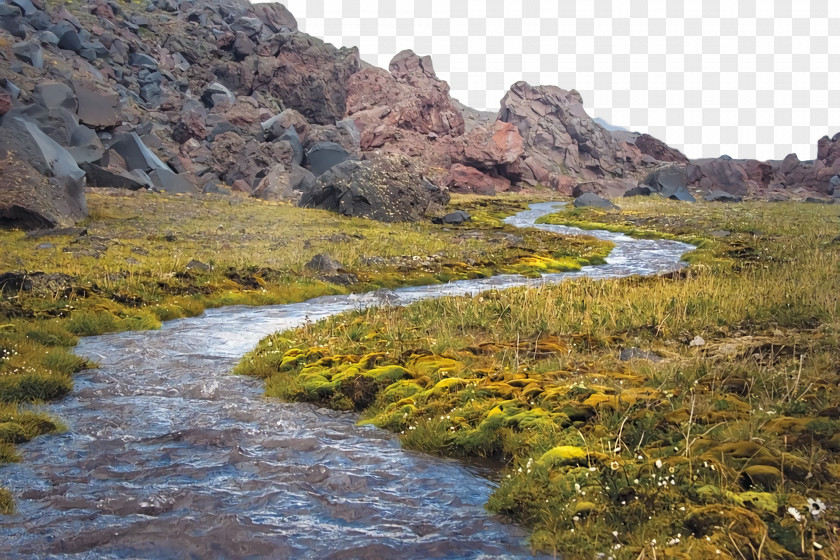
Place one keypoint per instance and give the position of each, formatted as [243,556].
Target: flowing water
[169,456]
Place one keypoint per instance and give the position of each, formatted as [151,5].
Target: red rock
[659,150]
[463,179]
[410,97]
[487,147]
[559,137]
[240,185]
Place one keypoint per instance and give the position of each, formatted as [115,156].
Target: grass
[148,258]
[718,449]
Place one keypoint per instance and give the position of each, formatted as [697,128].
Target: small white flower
[817,545]
[658,463]
[794,513]
[816,507]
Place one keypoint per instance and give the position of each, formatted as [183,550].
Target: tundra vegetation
[690,415]
[144,258]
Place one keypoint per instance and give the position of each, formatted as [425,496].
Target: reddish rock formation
[463,179]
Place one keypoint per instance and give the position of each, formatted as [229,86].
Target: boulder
[453,218]
[290,135]
[463,179]
[41,186]
[387,188]
[167,180]
[115,178]
[324,155]
[671,182]
[723,173]
[30,52]
[640,190]
[828,150]
[99,107]
[68,36]
[217,94]
[135,153]
[54,96]
[592,200]
[5,103]
[10,20]
[143,61]
[560,137]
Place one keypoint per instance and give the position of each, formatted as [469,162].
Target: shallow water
[168,456]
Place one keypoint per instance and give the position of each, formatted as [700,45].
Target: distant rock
[324,155]
[453,218]
[721,196]
[606,188]
[388,188]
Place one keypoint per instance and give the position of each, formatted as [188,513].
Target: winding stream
[168,456]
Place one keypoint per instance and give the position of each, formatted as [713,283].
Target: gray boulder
[41,186]
[387,187]
[290,135]
[324,155]
[29,52]
[671,182]
[592,200]
[10,20]
[169,181]
[68,37]
[98,107]
[115,178]
[216,94]
[54,96]
[453,218]
[135,153]
[142,60]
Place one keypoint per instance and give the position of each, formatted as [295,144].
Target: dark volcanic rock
[171,182]
[10,20]
[135,153]
[115,178]
[388,188]
[592,200]
[30,52]
[453,218]
[311,76]
[98,107]
[606,188]
[671,182]
[323,155]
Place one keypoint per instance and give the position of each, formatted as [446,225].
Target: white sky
[749,78]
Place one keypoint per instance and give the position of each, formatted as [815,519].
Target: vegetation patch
[717,436]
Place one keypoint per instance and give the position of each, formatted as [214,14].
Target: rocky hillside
[221,96]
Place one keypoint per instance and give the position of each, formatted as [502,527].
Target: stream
[169,456]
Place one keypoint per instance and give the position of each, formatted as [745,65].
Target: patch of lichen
[712,451]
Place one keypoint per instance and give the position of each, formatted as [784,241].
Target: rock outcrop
[559,137]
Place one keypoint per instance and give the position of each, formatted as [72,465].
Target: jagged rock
[166,180]
[143,61]
[26,7]
[640,190]
[290,135]
[324,155]
[54,96]
[217,94]
[135,153]
[41,186]
[276,17]
[828,150]
[116,178]
[5,103]
[559,136]
[10,20]
[592,200]
[30,52]
[387,188]
[68,36]
[311,76]
[323,264]
[721,196]
[652,147]
[671,182]
[84,145]
[410,97]
[191,125]
[464,179]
